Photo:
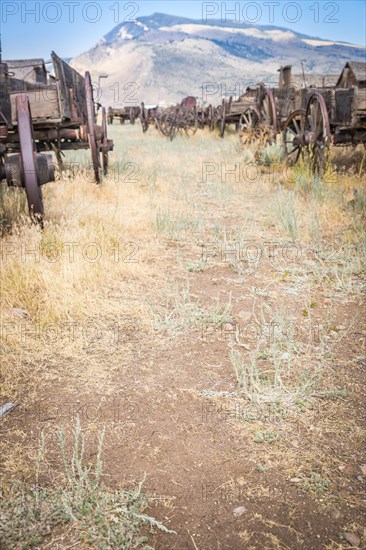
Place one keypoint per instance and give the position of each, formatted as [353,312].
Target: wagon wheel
[104,142]
[166,125]
[172,129]
[293,135]
[172,125]
[317,132]
[28,161]
[249,125]
[91,127]
[162,124]
[191,123]
[267,109]
[249,119]
[223,119]
[156,122]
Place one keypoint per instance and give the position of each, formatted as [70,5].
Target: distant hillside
[169,57]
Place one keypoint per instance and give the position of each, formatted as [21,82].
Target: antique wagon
[183,118]
[253,111]
[230,111]
[20,164]
[149,115]
[323,115]
[123,114]
[63,110]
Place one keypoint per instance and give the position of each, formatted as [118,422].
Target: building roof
[359,69]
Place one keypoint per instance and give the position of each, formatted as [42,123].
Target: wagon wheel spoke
[28,160]
[297,127]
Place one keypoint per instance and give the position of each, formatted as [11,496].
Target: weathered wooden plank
[344,100]
[361,100]
[71,90]
[43,103]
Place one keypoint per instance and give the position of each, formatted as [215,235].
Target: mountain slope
[168,57]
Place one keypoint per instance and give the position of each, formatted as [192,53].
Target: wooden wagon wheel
[267,109]
[91,127]
[28,159]
[249,125]
[293,135]
[104,143]
[172,128]
[317,132]
[171,124]
[162,122]
[190,124]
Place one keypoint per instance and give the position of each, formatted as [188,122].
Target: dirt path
[273,463]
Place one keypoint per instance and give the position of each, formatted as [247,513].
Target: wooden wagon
[63,110]
[149,115]
[323,115]
[20,163]
[251,113]
[123,114]
[184,118]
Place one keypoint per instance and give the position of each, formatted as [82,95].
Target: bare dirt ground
[215,329]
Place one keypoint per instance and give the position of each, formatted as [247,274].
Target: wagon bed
[53,100]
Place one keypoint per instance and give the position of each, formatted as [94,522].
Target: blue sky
[71,27]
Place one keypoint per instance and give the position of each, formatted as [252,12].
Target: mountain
[163,58]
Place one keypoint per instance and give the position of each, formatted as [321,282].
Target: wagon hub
[13,172]
[309,138]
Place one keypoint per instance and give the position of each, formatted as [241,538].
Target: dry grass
[73,298]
